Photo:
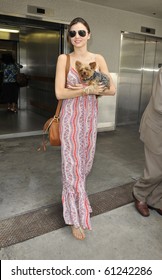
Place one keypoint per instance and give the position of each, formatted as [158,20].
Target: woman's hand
[91,89]
[94,89]
[76,86]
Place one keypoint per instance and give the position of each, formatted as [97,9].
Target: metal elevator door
[39,49]
[140,57]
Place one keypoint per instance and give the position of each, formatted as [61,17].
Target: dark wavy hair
[7,58]
[75,21]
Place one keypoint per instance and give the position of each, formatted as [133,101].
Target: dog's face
[85,71]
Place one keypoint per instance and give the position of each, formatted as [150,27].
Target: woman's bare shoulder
[99,57]
[62,57]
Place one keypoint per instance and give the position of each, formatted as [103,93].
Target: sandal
[78,233]
[9,107]
[13,110]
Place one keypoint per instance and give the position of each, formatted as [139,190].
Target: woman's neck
[80,54]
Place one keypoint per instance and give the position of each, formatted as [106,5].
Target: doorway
[36,47]
[6,46]
[140,57]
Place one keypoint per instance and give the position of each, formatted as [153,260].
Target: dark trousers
[10,92]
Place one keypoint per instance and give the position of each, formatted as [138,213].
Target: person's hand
[94,89]
[76,86]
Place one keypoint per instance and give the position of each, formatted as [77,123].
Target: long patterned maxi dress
[78,131]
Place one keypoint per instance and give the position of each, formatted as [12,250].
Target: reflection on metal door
[139,59]
[39,49]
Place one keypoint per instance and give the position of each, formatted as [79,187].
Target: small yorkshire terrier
[89,76]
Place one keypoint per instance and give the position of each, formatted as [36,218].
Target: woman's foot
[9,107]
[78,233]
[14,108]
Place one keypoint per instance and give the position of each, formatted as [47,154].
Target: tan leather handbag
[52,125]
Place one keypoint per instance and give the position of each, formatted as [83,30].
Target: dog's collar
[88,79]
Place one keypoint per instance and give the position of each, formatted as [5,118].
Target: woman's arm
[60,81]
[104,69]
[18,65]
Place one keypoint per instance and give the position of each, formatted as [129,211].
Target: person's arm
[104,69]
[18,65]
[60,82]
[157,92]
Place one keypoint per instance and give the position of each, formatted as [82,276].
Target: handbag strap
[60,101]
[67,66]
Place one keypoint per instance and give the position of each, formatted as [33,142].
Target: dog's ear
[92,65]
[78,64]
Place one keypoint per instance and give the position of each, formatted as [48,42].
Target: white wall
[106,26]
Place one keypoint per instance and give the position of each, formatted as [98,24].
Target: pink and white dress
[78,132]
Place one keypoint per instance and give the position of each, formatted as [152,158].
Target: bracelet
[85,91]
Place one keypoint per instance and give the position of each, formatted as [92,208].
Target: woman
[10,88]
[78,126]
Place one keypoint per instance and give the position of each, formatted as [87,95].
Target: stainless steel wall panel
[147,75]
[139,59]
[129,86]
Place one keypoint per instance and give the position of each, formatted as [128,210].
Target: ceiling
[151,8]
